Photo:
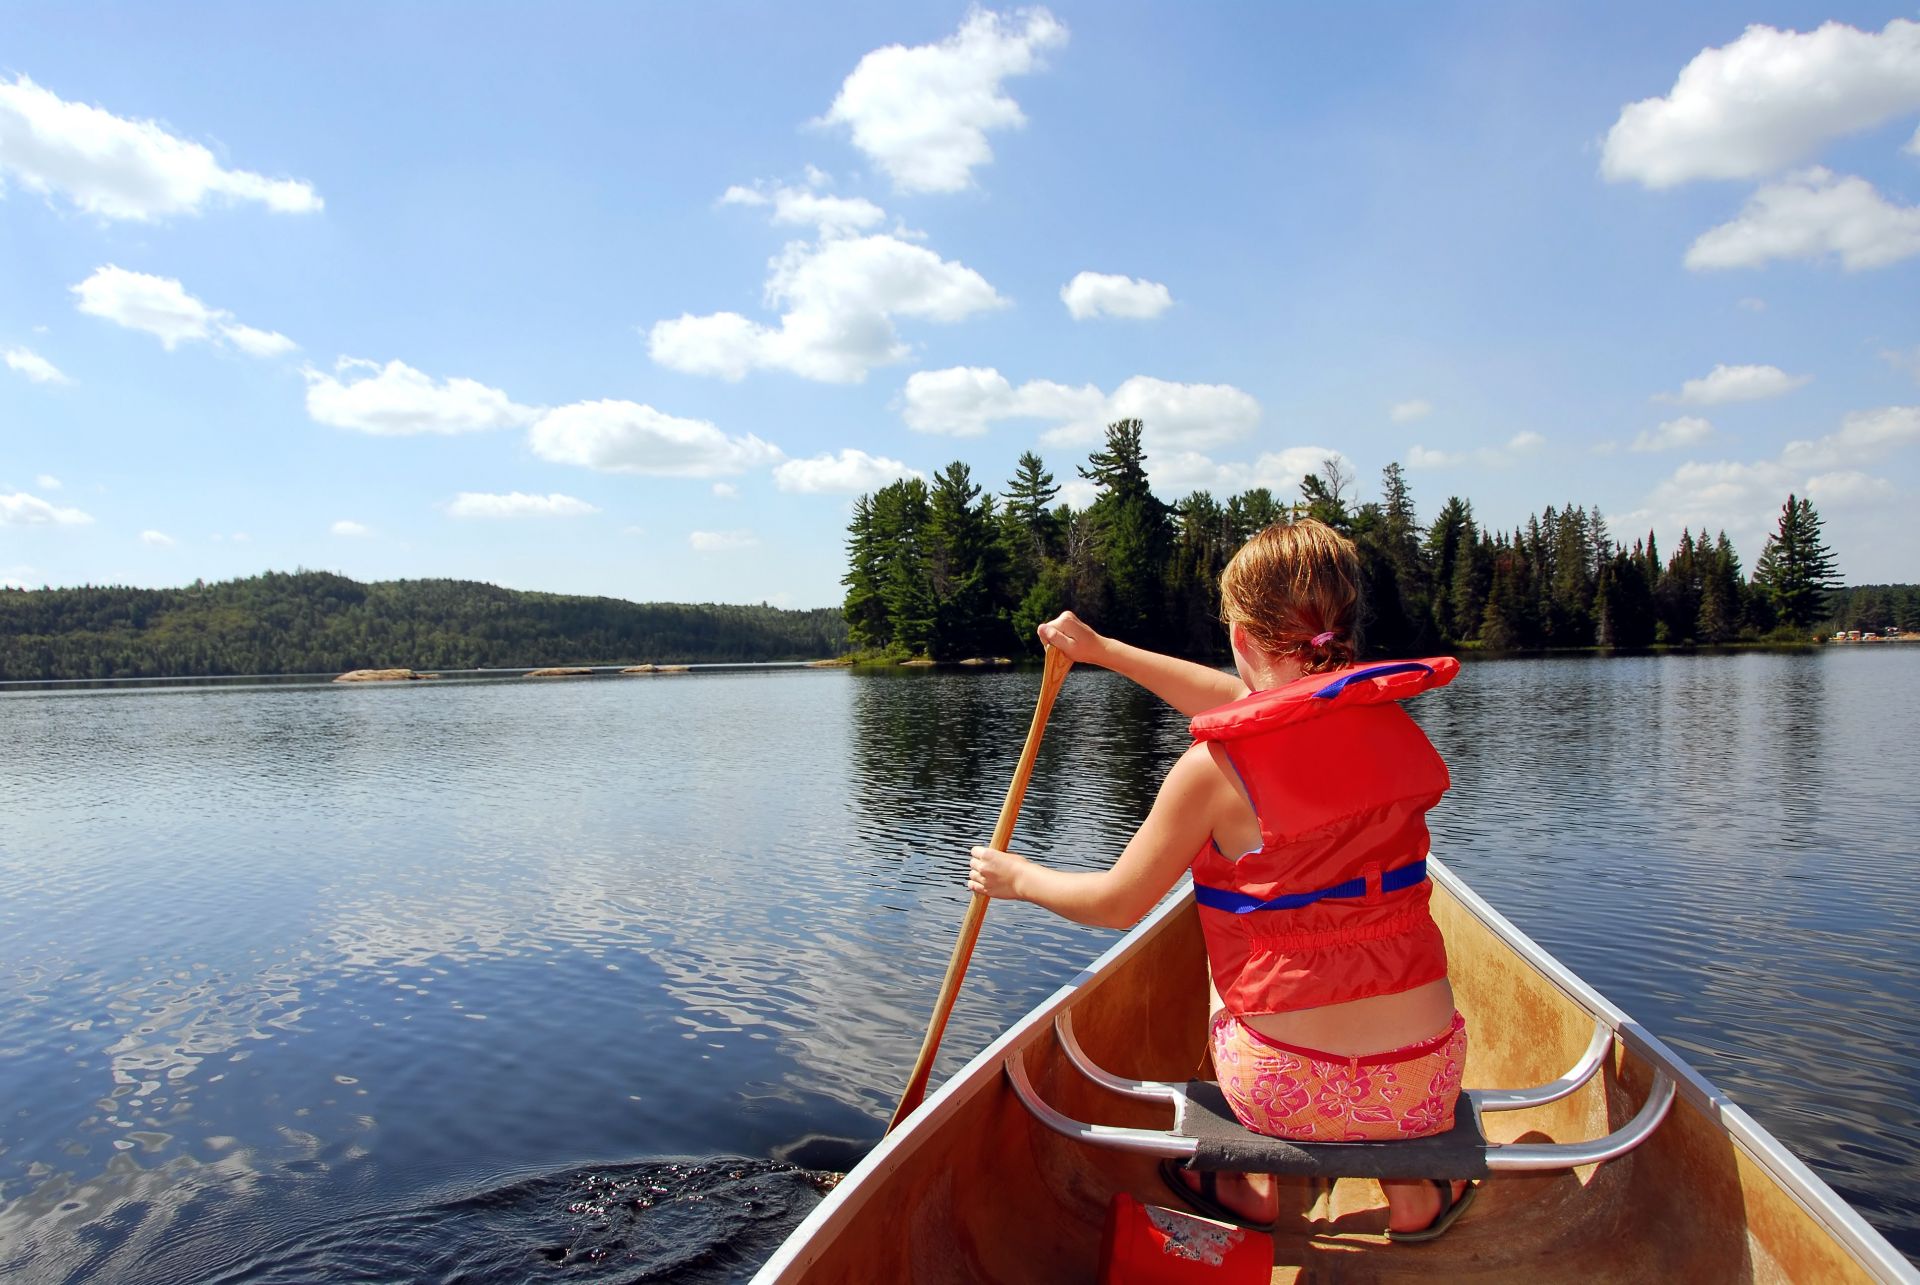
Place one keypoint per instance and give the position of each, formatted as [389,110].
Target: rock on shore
[560,671]
[641,669]
[381,676]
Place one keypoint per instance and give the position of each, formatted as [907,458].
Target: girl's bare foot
[1413,1204]
[1252,1198]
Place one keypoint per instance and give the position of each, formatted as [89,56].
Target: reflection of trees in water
[933,753]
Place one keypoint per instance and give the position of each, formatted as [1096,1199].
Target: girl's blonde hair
[1292,583]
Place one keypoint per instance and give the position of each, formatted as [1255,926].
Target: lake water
[590,979]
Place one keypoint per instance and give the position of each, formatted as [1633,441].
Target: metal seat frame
[1508,1157]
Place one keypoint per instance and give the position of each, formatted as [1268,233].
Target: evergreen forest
[316,622]
[948,569]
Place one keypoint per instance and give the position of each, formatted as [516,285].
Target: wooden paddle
[1050,680]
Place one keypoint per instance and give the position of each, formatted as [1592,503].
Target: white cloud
[161,307]
[1864,436]
[628,437]
[1101,294]
[1503,456]
[47,482]
[158,539]
[725,491]
[117,168]
[1849,486]
[963,401]
[1908,360]
[1408,411]
[798,205]
[721,541]
[841,296]
[848,473]
[1744,497]
[158,305]
[1183,472]
[1765,102]
[347,527]
[474,504]
[827,213]
[258,343]
[34,366]
[21,509]
[1753,303]
[1421,457]
[395,400]
[1735,384]
[922,114]
[1673,434]
[1077,493]
[1812,215]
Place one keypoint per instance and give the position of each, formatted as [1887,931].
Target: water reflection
[276,962]
[1714,842]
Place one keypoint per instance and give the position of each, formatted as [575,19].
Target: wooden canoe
[975,1188]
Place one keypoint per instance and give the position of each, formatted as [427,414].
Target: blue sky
[632,299]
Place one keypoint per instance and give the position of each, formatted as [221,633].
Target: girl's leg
[1251,1195]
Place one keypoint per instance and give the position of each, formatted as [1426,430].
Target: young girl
[1301,810]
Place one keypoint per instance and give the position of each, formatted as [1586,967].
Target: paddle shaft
[1050,679]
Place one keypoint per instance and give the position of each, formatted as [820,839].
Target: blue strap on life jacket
[1240,903]
[1339,684]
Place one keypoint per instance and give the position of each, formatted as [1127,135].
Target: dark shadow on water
[679,1221]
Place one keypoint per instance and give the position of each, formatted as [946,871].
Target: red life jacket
[1333,905]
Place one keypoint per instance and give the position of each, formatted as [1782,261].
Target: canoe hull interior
[974,1189]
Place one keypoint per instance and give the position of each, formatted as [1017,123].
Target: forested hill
[315,622]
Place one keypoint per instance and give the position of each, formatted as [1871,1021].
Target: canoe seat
[1223,1143]
[1207,1136]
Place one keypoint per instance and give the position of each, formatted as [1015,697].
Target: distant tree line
[1876,607]
[315,622]
[947,570]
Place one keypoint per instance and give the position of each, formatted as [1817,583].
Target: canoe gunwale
[1787,1170]
[842,1204]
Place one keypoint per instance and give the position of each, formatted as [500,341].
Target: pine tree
[1250,513]
[1132,534]
[967,568]
[901,513]
[1201,547]
[865,608]
[1446,538]
[1796,570]
[1472,582]
[1721,609]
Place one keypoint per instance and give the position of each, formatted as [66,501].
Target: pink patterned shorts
[1308,1096]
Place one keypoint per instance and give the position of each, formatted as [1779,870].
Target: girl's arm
[1188,687]
[1165,844]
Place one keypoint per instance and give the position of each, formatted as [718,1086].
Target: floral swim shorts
[1308,1096]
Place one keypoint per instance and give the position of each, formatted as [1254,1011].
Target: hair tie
[1321,640]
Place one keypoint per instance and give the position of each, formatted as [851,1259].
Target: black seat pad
[1225,1145]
